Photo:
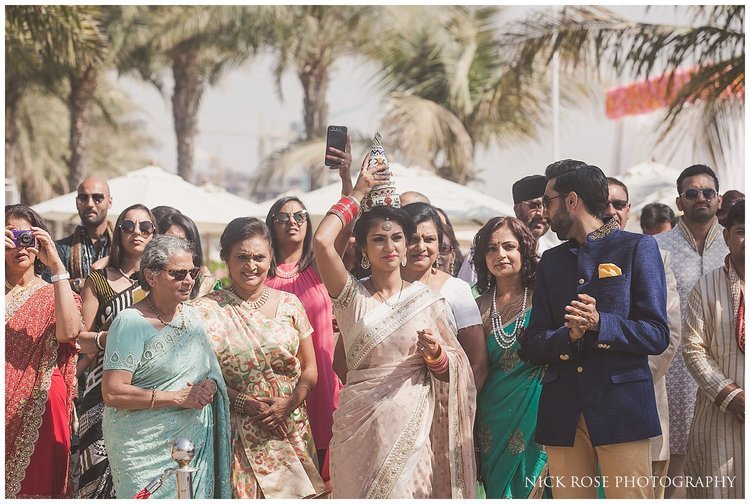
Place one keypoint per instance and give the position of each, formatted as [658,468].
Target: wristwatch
[62,276]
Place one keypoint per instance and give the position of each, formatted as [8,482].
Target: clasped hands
[581,316]
[271,413]
[196,396]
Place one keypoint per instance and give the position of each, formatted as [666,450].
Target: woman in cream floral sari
[404,424]
[262,339]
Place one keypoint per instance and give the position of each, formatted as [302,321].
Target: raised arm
[330,265]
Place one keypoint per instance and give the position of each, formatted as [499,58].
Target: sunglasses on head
[692,194]
[145,227]
[180,274]
[618,204]
[97,197]
[283,217]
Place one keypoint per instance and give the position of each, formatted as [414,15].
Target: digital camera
[23,238]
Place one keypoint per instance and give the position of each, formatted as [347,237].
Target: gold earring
[364,262]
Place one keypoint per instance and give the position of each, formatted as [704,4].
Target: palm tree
[197,45]
[43,43]
[597,41]
[449,90]
[310,38]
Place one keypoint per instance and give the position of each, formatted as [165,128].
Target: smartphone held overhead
[336,138]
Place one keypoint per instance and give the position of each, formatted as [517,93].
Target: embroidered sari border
[399,454]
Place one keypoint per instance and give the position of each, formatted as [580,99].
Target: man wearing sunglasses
[618,208]
[599,311]
[91,239]
[696,244]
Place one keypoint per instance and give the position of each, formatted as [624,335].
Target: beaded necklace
[253,305]
[153,309]
[504,339]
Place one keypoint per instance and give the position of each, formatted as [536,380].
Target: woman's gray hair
[158,251]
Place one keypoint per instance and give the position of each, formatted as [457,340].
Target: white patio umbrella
[210,208]
[463,205]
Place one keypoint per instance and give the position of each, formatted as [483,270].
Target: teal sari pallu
[511,461]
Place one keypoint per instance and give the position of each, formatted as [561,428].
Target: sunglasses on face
[446,249]
[692,194]
[145,227]
[180,274]
[546,200]
[283,217]
[84,198]
[618,204]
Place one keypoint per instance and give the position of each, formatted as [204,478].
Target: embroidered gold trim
[455,448]
[396,459]
[347,294]
[16,463]
[603,231]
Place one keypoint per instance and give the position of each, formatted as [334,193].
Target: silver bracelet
[98,342]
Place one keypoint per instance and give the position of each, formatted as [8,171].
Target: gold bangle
[309,390]
[429,360]
[239,404]
[153,399]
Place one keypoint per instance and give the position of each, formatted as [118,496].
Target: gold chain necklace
[153,309]
[381,296]
[253,305]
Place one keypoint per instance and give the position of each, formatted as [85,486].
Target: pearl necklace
[153,309]
[504,339]
[253,305]
[287,274]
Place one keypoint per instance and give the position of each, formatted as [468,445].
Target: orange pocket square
[608,270]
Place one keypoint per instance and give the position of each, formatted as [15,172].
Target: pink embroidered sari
[39,388]
[399,432]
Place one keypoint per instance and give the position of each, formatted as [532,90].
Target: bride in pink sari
[404,424]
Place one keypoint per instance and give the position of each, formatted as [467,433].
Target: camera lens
[26,239]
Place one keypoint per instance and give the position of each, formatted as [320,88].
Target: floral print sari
[258,357]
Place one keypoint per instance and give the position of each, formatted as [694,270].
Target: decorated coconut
[384,194]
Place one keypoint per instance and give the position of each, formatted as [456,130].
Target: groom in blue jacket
[599,311]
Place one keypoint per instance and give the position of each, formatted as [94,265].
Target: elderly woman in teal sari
[162,381]
[511,463]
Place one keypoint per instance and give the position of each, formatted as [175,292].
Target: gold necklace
[253,305]
[21,287]
[381,296]
[153,309]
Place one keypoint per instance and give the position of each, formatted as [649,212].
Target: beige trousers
[625,468]
[659,470]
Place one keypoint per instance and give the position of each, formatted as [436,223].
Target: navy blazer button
[581,281]
[580,369]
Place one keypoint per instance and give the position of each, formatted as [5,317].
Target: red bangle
[346,209]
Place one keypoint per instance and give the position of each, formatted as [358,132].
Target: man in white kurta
[713,340]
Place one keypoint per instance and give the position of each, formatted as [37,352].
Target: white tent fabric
[649,182]
[211,209]
[462,204]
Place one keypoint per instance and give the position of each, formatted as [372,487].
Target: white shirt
[464,309]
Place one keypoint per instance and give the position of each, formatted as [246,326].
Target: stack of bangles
[238,405]
[439,364]
[347,209]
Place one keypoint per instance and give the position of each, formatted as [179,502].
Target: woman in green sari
[162,381]
[511,462]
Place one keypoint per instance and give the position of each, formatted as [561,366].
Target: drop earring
[364,262]
[403,261]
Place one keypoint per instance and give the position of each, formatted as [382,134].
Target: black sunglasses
[446,249]
[97,197]
[283,217]
[692,194]
[618,204]
[546,200]
[180,274]
[146,227]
